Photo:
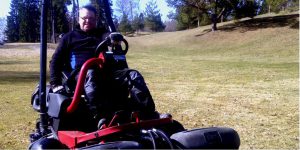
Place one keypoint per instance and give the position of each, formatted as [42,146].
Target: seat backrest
[35,101]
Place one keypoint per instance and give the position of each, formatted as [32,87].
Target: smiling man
[87,18]
[106,90]
[75,48]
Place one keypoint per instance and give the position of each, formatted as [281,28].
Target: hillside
[244,76]
[241,40]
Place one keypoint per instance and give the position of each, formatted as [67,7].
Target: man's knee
[137,79]
[134,74]
[140,93]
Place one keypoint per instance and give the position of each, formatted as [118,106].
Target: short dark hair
[90,8]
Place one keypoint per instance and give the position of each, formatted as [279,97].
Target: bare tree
[74,13]
[128,7]
[53,39]
[2,29]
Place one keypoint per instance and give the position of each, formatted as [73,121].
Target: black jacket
[73,50]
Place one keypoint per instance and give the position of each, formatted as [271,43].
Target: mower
[65,123]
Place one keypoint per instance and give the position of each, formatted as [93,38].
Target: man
[106,90]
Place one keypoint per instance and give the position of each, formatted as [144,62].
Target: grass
[244,76]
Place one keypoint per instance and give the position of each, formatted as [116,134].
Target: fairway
[244,76]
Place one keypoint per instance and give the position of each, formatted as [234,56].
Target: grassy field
[244,76]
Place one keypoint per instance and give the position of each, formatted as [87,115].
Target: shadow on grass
[27,46]
[20,46]
[260,23]
[14,77]
[16,62]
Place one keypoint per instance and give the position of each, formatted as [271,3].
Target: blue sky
[164,9]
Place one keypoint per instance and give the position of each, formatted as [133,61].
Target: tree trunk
[222,18]
[131,11]
[52,23]
[214,17]
[73,15]
[53,31]
[214,23]
[77,9]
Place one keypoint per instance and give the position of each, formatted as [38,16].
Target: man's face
[87,19]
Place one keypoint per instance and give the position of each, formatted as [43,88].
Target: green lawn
[244,76]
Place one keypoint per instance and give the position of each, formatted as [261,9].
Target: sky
[162,6]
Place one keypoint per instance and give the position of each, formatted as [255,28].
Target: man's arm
[58,61]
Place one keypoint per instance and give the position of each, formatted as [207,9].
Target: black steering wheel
[114,41]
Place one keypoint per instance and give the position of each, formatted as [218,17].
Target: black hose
[150,134]
[152,137]
[164,136]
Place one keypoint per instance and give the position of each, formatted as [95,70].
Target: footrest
[70,138]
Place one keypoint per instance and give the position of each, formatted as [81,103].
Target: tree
[138,23]
[128,7]
[13,21]
[188,18]
[217,10]
[29,21]
[59,18]
[128,10]
[180,20]
[153,17]
[278,5]
[2,29]
[191,10]
[170,25]
[99,5]
[116,22]
[245,8]
[23,21]
[125,25]
[75,13]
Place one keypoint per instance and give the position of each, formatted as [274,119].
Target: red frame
[73,138]
[81,79]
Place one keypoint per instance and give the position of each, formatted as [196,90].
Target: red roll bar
[81,80]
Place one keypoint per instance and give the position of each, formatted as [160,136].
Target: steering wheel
[114,40]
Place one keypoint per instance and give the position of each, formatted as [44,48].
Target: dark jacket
[74,49]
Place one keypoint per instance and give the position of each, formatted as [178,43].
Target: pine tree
[188,18]
[153,17]
[29,21]
[125,25]
[60,16]
[138,23]
[13,21]
[99,5]
[190,13]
